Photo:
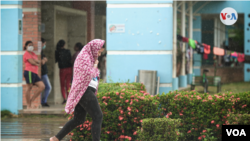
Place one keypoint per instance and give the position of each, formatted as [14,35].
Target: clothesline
[204,49]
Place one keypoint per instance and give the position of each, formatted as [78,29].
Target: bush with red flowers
[159,129]
[123,106]
[200,111]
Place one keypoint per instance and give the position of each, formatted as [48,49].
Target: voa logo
[236,132]
[228,16]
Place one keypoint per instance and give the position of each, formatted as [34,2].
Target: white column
[191,35]
[174,37]
[183,33]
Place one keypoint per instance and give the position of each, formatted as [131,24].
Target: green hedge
[238,119]
[159,129]
[123,110]
[201,111]
[124,105]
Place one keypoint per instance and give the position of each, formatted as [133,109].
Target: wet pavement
[31,129]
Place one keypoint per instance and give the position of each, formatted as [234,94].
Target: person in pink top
[82,97]
[31,73]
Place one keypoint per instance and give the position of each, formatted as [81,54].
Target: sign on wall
[19,26]
[116,28]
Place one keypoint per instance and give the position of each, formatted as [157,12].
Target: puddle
[31,129]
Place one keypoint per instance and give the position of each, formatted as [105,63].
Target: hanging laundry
[234,54]
[218,51]
[179,37]
[184,39]
[241,57]
[206,48]
[197,48]
[191,43]
[205,56]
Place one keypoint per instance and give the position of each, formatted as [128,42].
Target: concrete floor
[31,129]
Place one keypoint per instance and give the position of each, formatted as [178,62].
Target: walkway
[31,129]
[52,110]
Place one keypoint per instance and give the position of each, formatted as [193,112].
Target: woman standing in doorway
[82,98]
[63,57]
[31,73]
[78,47]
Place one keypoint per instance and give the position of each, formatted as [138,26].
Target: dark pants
[87,104]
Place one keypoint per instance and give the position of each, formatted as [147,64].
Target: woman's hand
[96,63]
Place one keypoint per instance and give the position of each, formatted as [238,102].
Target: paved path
[53,109]
[31,129]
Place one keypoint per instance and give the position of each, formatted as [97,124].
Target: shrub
[208,135]
[238,119]
[159,129]
[201,111]
[123,111]
[6,114]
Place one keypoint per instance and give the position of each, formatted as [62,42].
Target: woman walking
[31,73]
[82,98]
[63,57]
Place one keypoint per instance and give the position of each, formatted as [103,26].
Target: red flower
[129,113]
[204,131]
[217,125]
[117,93]
[140,120]
[135,133]
[120,118]
[126,101]
[124,121]
[108,132]
[189,131]
[122,137]
[129,109]
[181,114]
[199,138]
[204,136]
[212,121]
[121,111]
[121,97]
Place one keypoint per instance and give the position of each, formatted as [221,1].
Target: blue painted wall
[11,62]
[11,71]
[146,29]
[197,60]
[126,67]
[11,2]
[137,1]
[10,39]
[215,7]
[247,44]
[12,99]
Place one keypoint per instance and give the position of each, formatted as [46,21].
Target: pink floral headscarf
[83,73]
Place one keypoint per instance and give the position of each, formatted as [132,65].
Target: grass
[231,87]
